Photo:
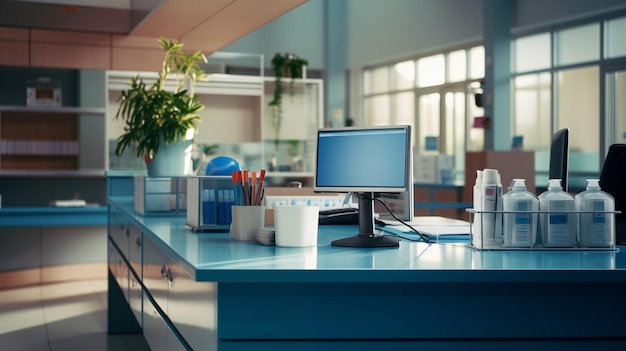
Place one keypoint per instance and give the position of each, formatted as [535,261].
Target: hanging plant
[283,66]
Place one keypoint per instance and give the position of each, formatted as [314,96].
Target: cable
[422,236]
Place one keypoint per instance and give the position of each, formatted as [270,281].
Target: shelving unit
[49,139]
[237,120]
[302,117]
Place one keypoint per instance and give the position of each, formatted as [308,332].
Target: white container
[491,198]
[558,227]
[296,226]
[597,228]
[246,221]
[520,229]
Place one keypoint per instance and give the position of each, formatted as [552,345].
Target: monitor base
[368,240]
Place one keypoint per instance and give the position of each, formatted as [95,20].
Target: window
[532,105]
[431,71]
[578,44]
[404,74]
[377,110]
[578,106]
[532,53]
[376,81]
[614,43]
[428,121]
[564,93]
[457,66]
[477,62]
[431,93]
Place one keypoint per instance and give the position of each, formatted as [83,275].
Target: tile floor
[66,316]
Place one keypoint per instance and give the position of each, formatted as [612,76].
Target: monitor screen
[364,159]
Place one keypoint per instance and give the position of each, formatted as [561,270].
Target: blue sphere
[222,166]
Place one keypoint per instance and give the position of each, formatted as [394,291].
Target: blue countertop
[212,256]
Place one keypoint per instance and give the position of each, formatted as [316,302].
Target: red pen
[246,191]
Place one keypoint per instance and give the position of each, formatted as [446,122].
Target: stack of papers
[433,227]
[68,203]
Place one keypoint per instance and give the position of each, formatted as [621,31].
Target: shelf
[51,139]
[52,110]
[218,84]
[84,173]
[39,147]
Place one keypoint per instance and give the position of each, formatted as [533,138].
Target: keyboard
[343,215]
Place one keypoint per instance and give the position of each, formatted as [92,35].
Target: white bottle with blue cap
[597,224]
[558,219]
[520,228]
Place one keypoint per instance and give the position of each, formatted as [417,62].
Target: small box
[160,195]
[43,92]
[209,201]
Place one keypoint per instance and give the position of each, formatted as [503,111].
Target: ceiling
[210,24]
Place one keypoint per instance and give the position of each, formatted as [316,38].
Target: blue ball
[222,166]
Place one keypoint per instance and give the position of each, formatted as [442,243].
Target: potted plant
[160,121]
[283,65]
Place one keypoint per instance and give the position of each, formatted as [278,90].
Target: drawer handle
[166,274]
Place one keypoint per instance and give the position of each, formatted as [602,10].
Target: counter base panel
[411,311]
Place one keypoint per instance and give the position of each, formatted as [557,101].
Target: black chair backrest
[613,181]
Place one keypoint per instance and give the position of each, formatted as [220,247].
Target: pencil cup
[246,220]
[296,226]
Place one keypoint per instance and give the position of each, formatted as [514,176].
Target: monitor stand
[366,236]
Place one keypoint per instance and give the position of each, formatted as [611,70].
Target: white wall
[537,13]
[300,31]
[379,31]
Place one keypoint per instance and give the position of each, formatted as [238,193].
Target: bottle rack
[477,240]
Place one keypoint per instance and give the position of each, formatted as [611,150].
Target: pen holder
[246,221]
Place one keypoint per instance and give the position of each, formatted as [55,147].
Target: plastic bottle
[476,219]
[597,228]
[520,229]
[491,194]
[558,227]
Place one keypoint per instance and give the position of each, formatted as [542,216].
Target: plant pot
[172,160]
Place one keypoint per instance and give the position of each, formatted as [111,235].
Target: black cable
[422,236]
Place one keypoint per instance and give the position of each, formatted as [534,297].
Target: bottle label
[598,231]
[558,224]
[521,233]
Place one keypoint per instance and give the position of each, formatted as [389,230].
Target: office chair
[613,181]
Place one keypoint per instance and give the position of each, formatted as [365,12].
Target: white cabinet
[128,240]
[192,308]
[135,291]
[238,120]
[190,305]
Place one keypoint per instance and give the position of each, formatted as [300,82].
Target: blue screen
[362,158]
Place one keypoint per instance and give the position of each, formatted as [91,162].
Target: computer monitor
[559,157]
[364,161]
